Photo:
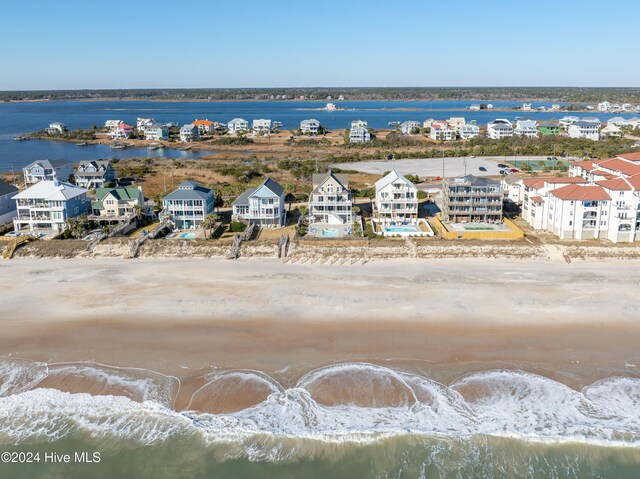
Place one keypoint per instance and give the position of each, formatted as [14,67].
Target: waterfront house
[566,121]
[47,170]
[512,188]
[310,127]
[499,128]
[331,107]
[456,122]
[7,204]
[117,203]
[261,126]
[110,124]
[359,132]
[56,128]
[396,199]
[474,107]
[143,123]
[604,106]
[205,126]
[584,129]
[237,125]
[188,205]
[618,121]
[121,131]
[469,131]
[440,131]
[48,204]
[592,119]
[526,128]
[262,206]
[330,201]
[612,131]
[406,127]
[189,132]
[526,107]
[555,107]
[156,133]
[94,173]
[546,128]
[468,199]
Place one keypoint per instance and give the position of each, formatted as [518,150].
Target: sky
[70,44]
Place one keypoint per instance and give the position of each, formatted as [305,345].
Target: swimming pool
[402,229]
[188,235]
[329,233]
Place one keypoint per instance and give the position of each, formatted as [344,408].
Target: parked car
[502,172]
[514,170]
[482,168]
[502,165]
[472,156]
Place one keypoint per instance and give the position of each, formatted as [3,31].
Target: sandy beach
[575,323]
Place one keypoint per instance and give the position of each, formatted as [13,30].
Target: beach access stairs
[14,243]
[165,226]
[238,239]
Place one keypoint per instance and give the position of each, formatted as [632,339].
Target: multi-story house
[359,134]
[468,199]
[121,131]
[584,129]
[56,128]
[396,199]
[205,126]
[143,123]
[604,106]
[310,127]
[546,128]
[7,204]
[94,173]
[189,132]
[440,131]
[499,128]
[526,128]
[117,203]
[526,107]
[237,125]
[330,202]
[262,206]
[406,127]
[261,126]
[566,121]
[156,133]
[48,204]
[188,205]
[456,122]
[47,170]
[469,131]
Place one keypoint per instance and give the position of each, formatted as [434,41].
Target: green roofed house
[548,128]
[117,203]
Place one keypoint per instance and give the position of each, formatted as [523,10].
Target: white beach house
[406,127]
[156,132]
[261,126]
[584,129]
[469,131]
[499,128]
[188,205]
[94,173]
[310,127]
[330,202]
[237,125]
[396,199]
[56,128]
[526,128]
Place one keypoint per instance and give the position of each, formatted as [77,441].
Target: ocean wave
[327,406]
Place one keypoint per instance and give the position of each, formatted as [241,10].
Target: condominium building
[468,199]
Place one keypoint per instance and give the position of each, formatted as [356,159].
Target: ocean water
[352,420]
[20,118]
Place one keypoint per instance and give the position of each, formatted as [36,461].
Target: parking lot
[434,167]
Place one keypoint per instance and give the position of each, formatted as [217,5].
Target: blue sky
[69,44]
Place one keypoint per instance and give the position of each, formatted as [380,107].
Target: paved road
[434,166]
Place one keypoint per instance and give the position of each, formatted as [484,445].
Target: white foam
[17,375]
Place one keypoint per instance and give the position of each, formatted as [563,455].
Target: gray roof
[48,164]
[318,178]
[548,124]
[6,188]
[189,190]
[474,181]
[274,186]
[511,179]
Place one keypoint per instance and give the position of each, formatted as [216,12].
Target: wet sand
[573,323]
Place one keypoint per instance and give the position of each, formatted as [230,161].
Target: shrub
[301,230]
[237,226]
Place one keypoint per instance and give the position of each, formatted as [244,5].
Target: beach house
[406,127]
[566,121]
[604,106]
[56,128]
[204,126]
[310,127]
[440,130]
[143,123]
[237,125]
[156,133]
[94,173]
[526,128]
[117,203]
[262,206]
[188,205]
[261,126]
[189,132]
[46,206]
[499,128]
[7,204]
[469,131]
[546,128]
[121,131]
[468,199]
[47,170]
[396,199]
[526,107]
[584,129]
[456,122]
[330,203]
[359,132]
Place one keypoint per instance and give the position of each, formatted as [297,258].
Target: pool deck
[315,229]
[477,227]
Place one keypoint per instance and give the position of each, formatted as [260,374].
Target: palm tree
[208,223]
[290,198]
